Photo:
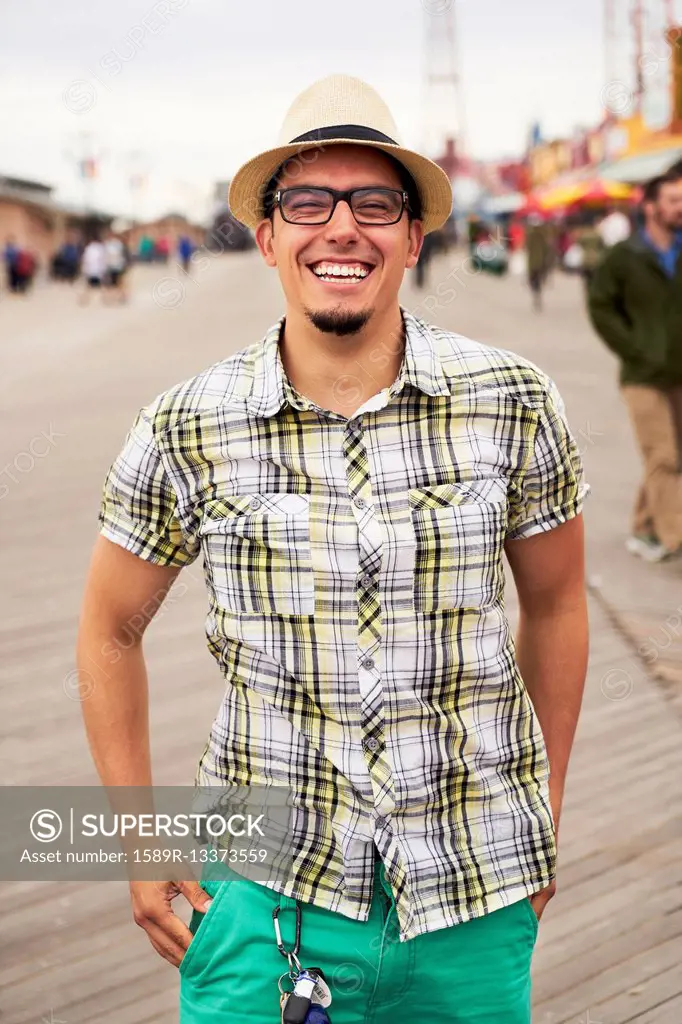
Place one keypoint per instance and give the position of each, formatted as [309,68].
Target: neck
[341,373]
[661,236]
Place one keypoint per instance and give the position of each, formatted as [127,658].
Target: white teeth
[328,270]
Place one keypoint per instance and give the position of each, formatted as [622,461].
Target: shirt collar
[421,368]
[676,244]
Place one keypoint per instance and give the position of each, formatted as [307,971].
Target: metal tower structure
[609,40]
[442,105]
[635,49]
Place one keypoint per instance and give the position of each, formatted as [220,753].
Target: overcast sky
[186,96]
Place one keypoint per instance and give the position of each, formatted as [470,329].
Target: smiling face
[341,273]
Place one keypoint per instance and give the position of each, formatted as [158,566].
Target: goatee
[338,321]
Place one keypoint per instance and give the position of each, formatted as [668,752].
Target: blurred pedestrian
[9,255]
[162,248]
[635,304]
[425,256]
[615,227]
[553,233]
[66,260]
[475,232]
[185,250]
[24,267]
[517,236]
[538,257]
[116,260]
[589,238]
[564,241]
[146,249]
[93,269]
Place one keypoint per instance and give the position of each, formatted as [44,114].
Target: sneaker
[647,547]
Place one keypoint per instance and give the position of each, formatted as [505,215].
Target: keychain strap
[286,903]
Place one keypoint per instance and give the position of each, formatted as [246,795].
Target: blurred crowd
[99,262]
[535,245]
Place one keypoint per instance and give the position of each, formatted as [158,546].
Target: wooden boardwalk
[610,944]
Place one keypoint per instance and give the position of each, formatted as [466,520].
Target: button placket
[370,632]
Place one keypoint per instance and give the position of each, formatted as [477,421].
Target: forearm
[551,650]
[605,306]
[613,329]
[116,710]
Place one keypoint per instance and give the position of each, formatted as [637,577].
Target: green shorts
[478,971]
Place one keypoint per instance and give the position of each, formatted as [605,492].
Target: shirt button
[366,582]
[367,663]
[381,822]
[360,502]
[255,504]
[372,744]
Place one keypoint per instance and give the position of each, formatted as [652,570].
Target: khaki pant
[656,416]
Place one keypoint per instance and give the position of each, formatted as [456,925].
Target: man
[591,245]
[66,262]
[25,267]
[10,256]
[635,304]
[185,250]
[538,257]
[117,264]
[429,247]
[352,482]
[93,268]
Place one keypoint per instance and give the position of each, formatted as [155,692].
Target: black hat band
[357,132]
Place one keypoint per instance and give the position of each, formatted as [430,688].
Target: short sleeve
[552,488]
[138,510]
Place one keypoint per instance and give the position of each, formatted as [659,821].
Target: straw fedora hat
[338,109]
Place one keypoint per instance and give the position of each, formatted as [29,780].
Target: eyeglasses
[370,206]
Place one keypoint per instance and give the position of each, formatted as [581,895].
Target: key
[322,995]
[295,1009]
[283,995]
[298,1004]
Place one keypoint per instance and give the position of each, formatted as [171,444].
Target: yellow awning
[591,190]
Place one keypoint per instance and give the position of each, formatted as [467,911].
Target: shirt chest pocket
[459,533]
[257,549]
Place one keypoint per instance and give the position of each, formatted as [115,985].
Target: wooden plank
[667,1012]
[589,993]
[615,923]
[642,998]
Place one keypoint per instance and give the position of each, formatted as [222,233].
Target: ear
[416,240]
[264,235]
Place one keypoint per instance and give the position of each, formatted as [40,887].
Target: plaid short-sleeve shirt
[355,580]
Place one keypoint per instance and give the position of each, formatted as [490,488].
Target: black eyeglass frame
[342,195]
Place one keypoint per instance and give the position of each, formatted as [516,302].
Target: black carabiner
[287,953]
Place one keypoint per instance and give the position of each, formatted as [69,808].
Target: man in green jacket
[635,304]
